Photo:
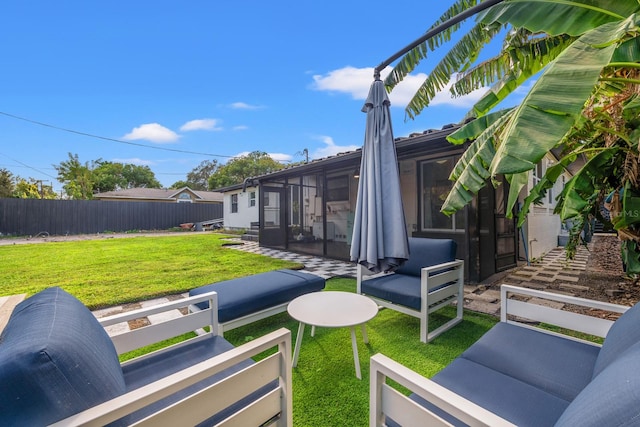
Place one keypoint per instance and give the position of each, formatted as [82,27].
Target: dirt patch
[604,277]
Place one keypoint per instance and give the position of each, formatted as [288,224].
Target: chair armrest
[174,323]
[444,266]
[515,310]
[438,275]
[385,401]
[209,401]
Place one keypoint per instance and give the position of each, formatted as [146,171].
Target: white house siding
[543,226]
[246,214]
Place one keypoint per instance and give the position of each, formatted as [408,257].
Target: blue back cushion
[624,333]
[55,360]
[611,398]
[426,253]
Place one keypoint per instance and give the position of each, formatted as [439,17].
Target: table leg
[313,331]
[296,351]
[356,359]
[364,334]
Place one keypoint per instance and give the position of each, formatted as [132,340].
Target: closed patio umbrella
[379,240]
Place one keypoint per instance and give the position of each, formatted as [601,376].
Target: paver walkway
[553,268]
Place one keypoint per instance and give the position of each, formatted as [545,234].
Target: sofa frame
[276,404]
[386,401]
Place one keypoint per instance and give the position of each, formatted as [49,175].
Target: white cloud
[241,127]
[280,157]
[357,81]
[330,148]
[244,106]
[200,124]
[153,132]
[134,161]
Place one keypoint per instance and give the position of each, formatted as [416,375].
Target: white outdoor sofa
[429,280]
[58,365]
[519,374]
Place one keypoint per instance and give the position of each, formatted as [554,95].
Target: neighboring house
[309,208]
[182,195]
[240,206]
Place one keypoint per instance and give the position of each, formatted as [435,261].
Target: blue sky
[218,78]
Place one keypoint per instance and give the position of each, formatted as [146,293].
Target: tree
[80,180]
[6,183]
[76,177]
[198,178]
[236,170]
[179,184]
[33,189]
[584,102]
[110,176]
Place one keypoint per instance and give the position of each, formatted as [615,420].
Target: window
[434,188]
[338,188]
[538,173]
[184,198]
[252,199]
[234,203]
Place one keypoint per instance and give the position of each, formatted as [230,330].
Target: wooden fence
[23,217]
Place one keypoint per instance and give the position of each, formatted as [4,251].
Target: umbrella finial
[376,73]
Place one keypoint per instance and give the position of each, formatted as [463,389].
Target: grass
[104,273]
[326,391]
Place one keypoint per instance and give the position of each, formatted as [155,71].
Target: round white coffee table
[332,309]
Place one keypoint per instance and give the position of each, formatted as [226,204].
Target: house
[240,206]
[166,195]
[309,208]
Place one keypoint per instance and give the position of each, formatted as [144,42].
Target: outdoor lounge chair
[431,279]
[58,365]
[521,374]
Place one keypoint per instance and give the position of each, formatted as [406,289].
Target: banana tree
[586,54]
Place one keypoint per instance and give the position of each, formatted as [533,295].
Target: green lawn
[325,389]
[103,273]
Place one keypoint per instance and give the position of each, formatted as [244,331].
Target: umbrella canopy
[379,231]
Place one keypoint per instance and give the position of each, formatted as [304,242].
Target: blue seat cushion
[611,398]
[555,365]
[247,295]
[425,252]
[55,360]
[139,373]
[624,333]
[507,397]
[397,288]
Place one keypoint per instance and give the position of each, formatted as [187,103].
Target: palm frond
[559,17]
[471,172]
[412,58]
[464,53]
[514,66]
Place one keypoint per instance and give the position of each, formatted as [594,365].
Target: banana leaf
[559,17]
[581,189]
[554,104]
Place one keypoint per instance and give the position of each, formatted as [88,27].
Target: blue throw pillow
[55,360]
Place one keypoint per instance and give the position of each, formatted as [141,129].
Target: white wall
[543,226]
[246,214]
